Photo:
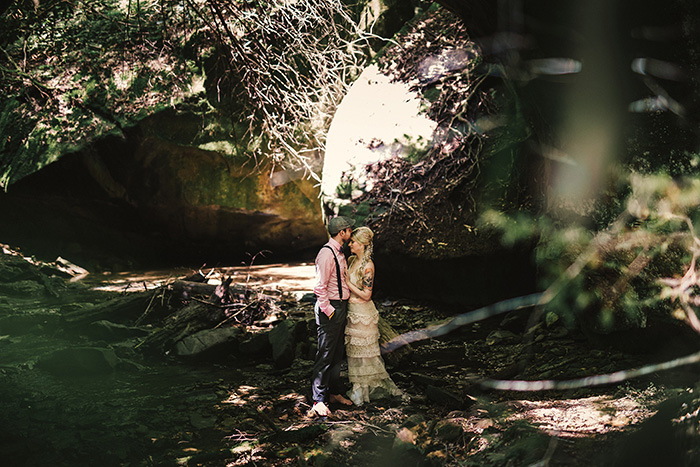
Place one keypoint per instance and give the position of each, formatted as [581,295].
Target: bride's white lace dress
[366,370]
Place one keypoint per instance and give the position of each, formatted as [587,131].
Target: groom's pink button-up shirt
[326,288]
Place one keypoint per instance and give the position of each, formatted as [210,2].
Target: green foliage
[676,164]
[344,189]
[61,59]
[612,278]
[77,71]
[415,150]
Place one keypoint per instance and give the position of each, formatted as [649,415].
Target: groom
[331,312]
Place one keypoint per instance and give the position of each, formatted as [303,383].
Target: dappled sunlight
[133,281]
[573,418]
[292,278]
[242,396]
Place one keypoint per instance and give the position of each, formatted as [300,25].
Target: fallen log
[124,308]
[193,318]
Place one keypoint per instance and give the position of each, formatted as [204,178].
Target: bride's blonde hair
[364,236]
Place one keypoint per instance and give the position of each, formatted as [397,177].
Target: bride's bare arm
[364,293]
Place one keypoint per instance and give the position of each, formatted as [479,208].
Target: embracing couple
[347,321]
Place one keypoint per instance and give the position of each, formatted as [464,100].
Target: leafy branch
[277,69]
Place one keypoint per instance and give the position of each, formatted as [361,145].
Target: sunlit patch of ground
[581,417]
[242,396]
[134,281]
[292,278]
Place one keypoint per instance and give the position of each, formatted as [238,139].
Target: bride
[366,370]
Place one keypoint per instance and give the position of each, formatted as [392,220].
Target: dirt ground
[241,410]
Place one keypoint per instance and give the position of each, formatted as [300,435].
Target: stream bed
[110,404]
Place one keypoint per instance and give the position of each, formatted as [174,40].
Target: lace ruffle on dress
[366,370]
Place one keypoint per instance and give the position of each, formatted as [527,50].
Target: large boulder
[211,192]
[163,192]
[180,161]
[219,342]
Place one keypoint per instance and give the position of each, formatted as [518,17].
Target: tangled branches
[433,197]
[288,64]
[194,305]
[75,71]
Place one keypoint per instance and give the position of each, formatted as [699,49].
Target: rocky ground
[80,389]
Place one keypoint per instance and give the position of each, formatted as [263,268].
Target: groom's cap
[339,223]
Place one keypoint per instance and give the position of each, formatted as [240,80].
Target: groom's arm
[324,267]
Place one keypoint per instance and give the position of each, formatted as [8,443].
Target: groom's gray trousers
[331,351]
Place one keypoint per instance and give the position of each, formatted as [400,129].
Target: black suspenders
[337,271]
